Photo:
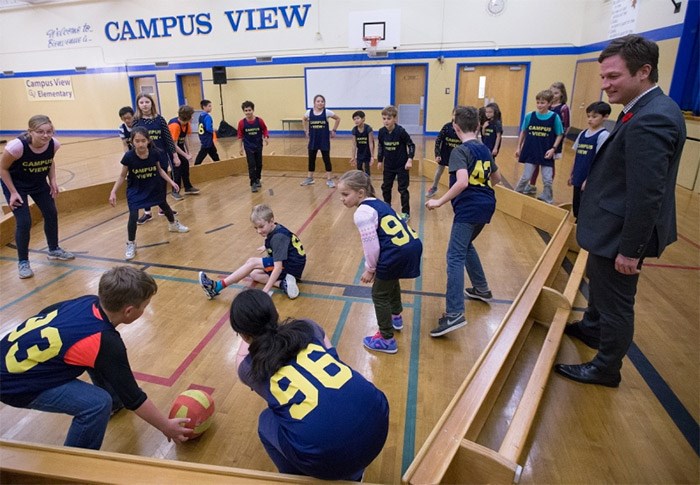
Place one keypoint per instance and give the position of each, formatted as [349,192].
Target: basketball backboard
[385,24]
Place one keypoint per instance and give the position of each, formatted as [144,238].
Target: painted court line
[218,228]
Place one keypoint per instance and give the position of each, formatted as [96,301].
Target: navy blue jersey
[445,142]
[30,170]
[144,185]
[328,414]
[399,247]
[539,139]
[586,148]
[125,134]
[490,133]
[477,203]
[319,134]
[395,148]
[205,128]
[252,134]
[364,154]
[295,259]
[58,345]
[160,135]
[181,130]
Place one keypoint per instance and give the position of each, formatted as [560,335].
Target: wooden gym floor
[644,432]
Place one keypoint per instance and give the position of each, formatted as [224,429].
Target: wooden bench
[45,464]
[451,454]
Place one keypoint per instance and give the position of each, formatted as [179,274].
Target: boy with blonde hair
[395,156]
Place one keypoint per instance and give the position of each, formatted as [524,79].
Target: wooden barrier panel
[34,463]
[450,453]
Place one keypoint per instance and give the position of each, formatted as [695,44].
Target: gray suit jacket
[629,204]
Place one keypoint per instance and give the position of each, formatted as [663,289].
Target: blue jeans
[89,405]
[461,254]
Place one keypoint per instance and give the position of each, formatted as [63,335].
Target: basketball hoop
[371,41]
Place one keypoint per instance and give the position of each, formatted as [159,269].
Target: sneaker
[448,323]
[530,190]
[431,192]
[161,213]
[24,270]
[130,250]
[254,188]
[521,186]
[289,286]
[177,196]
[259,183]
[406,216]
[177,227]
[380,344]
[475,294]
[208,285]
[330,183]
[397,322]
[307,181]
[60,255]
[192,191]
[144,218]
[546,195]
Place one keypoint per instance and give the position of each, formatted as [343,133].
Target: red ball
[196,405]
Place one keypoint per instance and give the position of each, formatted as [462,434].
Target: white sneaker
[307,181]
[289,286]
[330,183]
[130,250]
[177,227]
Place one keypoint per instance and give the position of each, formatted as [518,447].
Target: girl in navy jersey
[143,169]
[492,128]
[316,128]
[323,419]
[26,164]
[392,251]
[147,116]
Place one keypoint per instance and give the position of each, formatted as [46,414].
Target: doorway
[504,84]
[147,85]
[586,90]
[409,96]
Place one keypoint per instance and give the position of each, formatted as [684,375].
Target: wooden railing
[451,454]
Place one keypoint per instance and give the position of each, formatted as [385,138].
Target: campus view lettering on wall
[201,23]
[56,88]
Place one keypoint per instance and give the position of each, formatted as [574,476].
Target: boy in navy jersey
[444,143]
[395,156]
[282,265]
[540,135]
[363,148]
[586,146]
[179,129]
[252,133]
[43,358]
[472,173]
[126,114]
[205,128]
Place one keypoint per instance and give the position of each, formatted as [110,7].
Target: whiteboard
[349,87]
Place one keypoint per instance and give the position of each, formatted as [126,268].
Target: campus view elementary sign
[56,88]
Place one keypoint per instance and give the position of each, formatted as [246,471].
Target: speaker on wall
[219,74]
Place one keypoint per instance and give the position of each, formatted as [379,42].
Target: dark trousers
[386,296]
[134,215]
[388,183]
[203,152]
[363,165]
[610,312]
[254,159]
[576,202]
[23,219]
[325,154]
[181,174]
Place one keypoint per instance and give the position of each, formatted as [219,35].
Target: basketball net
[371,42]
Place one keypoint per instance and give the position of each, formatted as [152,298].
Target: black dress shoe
[588,374]
[574,330]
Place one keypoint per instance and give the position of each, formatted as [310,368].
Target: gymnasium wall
[51,40]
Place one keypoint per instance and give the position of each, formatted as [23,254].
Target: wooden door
[147,85]
[409,98]
[586,90]
[500,83]
[192,89]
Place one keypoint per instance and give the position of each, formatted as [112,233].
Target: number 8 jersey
[400,249]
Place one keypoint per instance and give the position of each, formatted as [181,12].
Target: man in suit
[628,208]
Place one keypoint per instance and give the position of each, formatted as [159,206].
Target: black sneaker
[448,323]
[144,218]
[208,285]
[475,294]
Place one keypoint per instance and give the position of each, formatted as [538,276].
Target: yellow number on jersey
[393,227]
[35,354]
[200,129]
[297,245]
[298,383]
[478,175]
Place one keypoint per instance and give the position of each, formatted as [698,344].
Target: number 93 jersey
[400,249]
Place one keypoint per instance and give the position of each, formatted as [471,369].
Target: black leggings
[203,152]
[254,159]
[23,219]
[181,174]
[134,215]
[325,154]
